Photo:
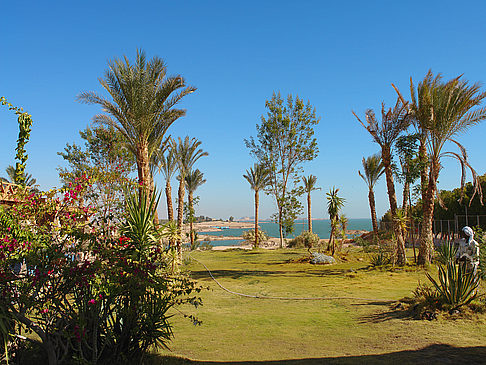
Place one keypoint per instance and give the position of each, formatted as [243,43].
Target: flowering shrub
[88,296]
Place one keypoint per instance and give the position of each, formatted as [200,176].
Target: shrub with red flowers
[88,296]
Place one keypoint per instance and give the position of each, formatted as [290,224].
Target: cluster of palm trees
[438,111]
[181,156]
[259,178]
[142,106]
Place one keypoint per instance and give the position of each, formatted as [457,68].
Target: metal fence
[443,230]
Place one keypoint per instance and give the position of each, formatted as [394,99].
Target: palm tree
[194,179]
[171,232]
[373,169]
[186,153]
[334,205]
[309,186]
[141,106]
[343,222]
[393,122]
[443,110]
[258,178]
[27,178]
[168,166]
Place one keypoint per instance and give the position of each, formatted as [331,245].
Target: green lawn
[237,329]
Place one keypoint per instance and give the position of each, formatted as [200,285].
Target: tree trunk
[180,215]
[406,192]
[426,234]
[330,245]
[256,218]
[405,206]
[280,214]
[309,218]
[424,172]
[371,198]
[143,168]
[191,217]
[392,197]
[144,176]
[168,194]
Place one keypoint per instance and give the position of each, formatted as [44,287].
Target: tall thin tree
[309,186]
[193,179]
[186,152]
[258,178]
[373,169]
[394,121]
[168,167]
[334,205]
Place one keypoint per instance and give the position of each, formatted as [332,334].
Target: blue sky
[339,56]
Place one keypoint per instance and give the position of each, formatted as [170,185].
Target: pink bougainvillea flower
[92,301]
[45,310]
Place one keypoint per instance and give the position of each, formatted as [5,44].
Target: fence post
[456,224]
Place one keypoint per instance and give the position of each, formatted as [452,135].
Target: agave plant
[446,253]
[139,226]
[456,286]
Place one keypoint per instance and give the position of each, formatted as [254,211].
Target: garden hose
[287,298]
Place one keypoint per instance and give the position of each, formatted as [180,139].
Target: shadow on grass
[386,316]
[311,271]
[235,274]
[433,354]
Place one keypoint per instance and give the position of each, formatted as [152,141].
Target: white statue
[468,251]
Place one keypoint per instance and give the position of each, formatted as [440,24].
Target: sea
[321,227]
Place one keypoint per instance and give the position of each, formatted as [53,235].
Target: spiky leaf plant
[455,285]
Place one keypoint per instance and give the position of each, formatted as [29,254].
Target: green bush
[205,246]
[249,236]
[305,239]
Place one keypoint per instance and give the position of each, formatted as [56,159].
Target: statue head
[468,233]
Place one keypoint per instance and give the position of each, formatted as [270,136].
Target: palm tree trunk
[170,208]
[405,206]
[330,245]
[191,216]
[144,176]
[424,172]
[371,199]
[256,218]
[392,197]
[152,191]
[180,215]
[406,192]
[143,168]
[426,234]
[309,218]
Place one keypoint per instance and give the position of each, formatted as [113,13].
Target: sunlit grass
[246,329]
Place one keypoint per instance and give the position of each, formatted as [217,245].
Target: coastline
[272,243]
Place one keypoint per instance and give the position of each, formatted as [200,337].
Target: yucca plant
[456,286]
[380,258]
[446,253]
[139,226]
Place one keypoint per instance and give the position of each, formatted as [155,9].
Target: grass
[238,329]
